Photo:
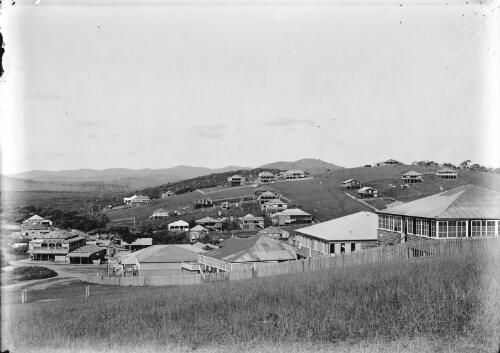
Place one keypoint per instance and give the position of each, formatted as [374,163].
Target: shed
[87,254]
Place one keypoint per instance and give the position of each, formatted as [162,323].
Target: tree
[465,164]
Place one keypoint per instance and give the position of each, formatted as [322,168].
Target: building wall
[159,268]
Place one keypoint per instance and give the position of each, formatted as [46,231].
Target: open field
[437,302]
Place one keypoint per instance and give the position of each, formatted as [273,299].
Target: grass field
[424,305]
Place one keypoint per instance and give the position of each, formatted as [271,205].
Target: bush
[27,273]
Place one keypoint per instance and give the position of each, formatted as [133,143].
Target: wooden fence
[377,255]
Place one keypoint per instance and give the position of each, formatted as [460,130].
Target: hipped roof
[356,226]
[465,202]
[254,249]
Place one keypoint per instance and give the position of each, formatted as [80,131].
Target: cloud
[209,131]
[290,122]
[43,95]
[92,136]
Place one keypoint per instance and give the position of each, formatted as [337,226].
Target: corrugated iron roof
[58,234]
[465,202]
[85,251]
[35,218]
[199,228]
[139,241]
[253,249]
[164,254]
[180,222]
[365,188]
[206,220]
[293,212]
[356,226]
[412,172]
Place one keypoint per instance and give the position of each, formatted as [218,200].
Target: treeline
[465,165]
[202,182]
[64,219]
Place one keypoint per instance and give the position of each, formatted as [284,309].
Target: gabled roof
[274,202]
[292,212]
[199,228]
[294,171]
[365,188]
[35,218]
[349,181]
[254,249]
[164,254]
[140,197]
[268,174]
[160,210]
[268,193]
[180,222]
[412,172]
[86,250]
[235,177]
[356,226]
[469,201]
[206,220]
[250,217]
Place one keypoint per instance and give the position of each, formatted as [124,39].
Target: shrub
[26,273]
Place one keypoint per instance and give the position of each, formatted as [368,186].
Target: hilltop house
[293,174]
[266,196]
[197,232]
[266,177]
[291,216]
[160,260]
[389,162]
[237,252]
[137,200]
[36,227]
[367,192]
[447,173]
[465,212]
[251,222]
[275,233]
[54,246]
[159,214]
[205,203]
[411,177]
[275,205]
[236,180]
[178,226]
[341,235]
[350,184]
[210,223]
[167,194]
[226,205]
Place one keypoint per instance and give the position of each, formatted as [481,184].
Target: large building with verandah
[55,246]
[468,211]
[447,173]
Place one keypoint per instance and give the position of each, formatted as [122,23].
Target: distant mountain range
[309,165]
[122,179]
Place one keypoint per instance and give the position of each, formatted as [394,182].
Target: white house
[367,192]
[159,214]
[447,173]
[293,174]
[266,177]
[178,226]
[411,177]
[197,232]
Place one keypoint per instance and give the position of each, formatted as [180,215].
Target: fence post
[23,296]
[87,292]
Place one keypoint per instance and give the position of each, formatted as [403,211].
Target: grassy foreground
[448,303]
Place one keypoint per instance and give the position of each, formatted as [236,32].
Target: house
[237,252]
[447,173]
[291,216]
[275,233]
[350,184]
[337,236]
[266,177]
[137,200]
[275,205]
[266,196]
[236,180]
[468,211]
[54,246]
[411,177]
[159,214]
[160,260]
[367,192]
[205,203]
[259,191]
[167,194]
[251,222]
[197,232]
[178,226]
[389,162]
[293,174]
[225,205]
[139,243]
[87,254]
[209,222]
[36,227]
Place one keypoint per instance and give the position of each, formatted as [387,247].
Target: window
[443,229]
[332,248]
[433,229]
[397,224]
[409,226]
[342,248]
[353,247]
[461,229]
[422,227]
[475,228]
[490,228]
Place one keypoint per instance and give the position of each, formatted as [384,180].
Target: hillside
[93,187]
[309,165]
[125,179]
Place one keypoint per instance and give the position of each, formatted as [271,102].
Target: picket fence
[377,255]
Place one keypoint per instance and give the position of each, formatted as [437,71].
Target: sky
[146,84]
